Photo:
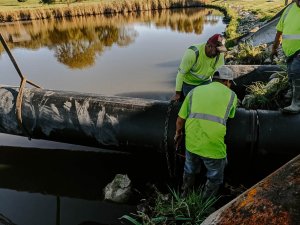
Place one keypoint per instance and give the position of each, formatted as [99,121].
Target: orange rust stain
[249,198]
[261,212]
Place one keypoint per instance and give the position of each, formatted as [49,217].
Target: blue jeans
[293,67]
[186,88]
[215,167]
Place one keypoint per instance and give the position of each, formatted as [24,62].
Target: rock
[119,190]
[254,29]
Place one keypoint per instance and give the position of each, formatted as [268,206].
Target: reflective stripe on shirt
[191,100]
[201,77]
[291,36]
[204,116]
[229,105]
[209,117]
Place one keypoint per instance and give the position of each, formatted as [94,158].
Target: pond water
[106,55]
[132,55]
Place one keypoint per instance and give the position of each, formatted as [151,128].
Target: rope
[166,149]
[21,88]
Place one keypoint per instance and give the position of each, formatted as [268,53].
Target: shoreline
[239,21]
[92,9]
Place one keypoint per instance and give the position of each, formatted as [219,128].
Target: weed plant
[171,209]
[269,95]
[248,54]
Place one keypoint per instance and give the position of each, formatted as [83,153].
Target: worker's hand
[273,54]
[178,139]
[176,97]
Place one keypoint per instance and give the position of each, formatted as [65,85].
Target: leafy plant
[248,54]
[267,95]
[172,209]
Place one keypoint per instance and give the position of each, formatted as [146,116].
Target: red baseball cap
[218,41]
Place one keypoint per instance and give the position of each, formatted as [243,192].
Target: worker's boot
[294,108]
[210,189]
[187,184]
[289,93]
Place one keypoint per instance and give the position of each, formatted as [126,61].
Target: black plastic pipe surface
[132,124]
[112,122]
[127,123]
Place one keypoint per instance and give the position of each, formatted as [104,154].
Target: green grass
[261,8]
[173,209]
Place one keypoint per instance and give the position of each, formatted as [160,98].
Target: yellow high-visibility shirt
[289,25]
[204,67]
[206,110]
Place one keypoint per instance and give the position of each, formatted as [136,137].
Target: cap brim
[222,48]
[222,78]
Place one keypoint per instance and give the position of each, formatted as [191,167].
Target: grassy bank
[264,9]
[86,8]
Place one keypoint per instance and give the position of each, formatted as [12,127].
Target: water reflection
[77,41]
[41,186]
[108,55]
[134,55]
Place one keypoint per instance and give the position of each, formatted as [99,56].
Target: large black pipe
[128,124]
[278,133]
[112,122]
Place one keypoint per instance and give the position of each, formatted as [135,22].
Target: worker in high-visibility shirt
[288,30]
[203,115]
[198,64]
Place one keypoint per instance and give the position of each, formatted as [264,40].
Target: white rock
[119,189]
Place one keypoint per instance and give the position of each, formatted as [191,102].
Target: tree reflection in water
[77,41]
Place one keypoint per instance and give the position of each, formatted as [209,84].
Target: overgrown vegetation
[171,209]
[247,54]
[264,10]
[269,95]
[231,17]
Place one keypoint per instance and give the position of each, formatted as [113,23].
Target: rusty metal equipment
[274,200]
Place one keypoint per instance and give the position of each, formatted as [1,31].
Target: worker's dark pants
[215,170]
[186,88]
[293,66]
